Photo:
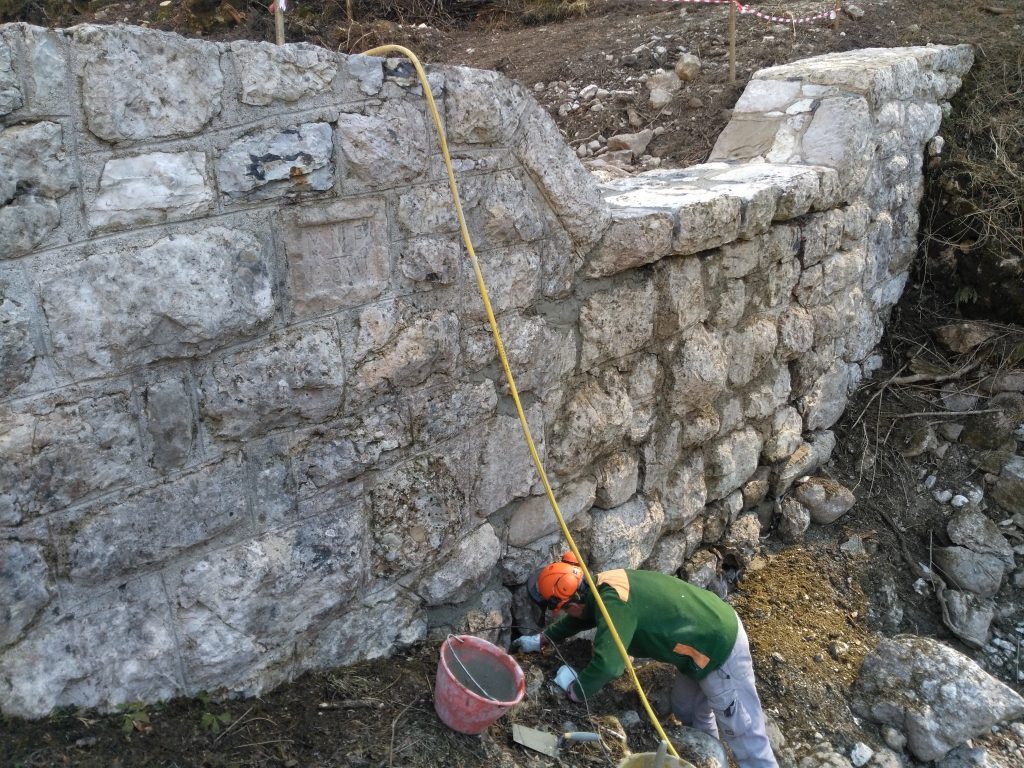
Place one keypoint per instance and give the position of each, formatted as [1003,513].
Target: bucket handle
[468,673]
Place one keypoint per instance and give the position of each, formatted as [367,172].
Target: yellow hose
[464,229]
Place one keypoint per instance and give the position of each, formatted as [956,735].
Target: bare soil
[812,610]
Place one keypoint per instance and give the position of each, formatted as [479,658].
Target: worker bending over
[660,617]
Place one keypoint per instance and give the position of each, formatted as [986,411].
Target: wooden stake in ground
[279,21]
[732,42]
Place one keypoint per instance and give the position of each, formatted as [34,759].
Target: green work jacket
[657,617]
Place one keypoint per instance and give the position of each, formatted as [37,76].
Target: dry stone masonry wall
[251,418]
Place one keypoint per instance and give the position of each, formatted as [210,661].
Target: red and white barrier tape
[747,10]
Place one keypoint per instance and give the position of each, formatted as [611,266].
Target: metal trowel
[548,743]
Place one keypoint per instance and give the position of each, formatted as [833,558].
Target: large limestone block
[934,695]
[730,461]
[749,349]
[338,255]
[34,173]
[286,73]
[417,510]
[682,300]
[24,583]
[824,402]
[617,478]
[672,550]
[41,69]
[178,296]
[17,348]
[151,189]
[378,154]
[122,99]
[506,468]
[684,493]
[140,532]
[381,624]
[60,448]
[429,345]
[512,276]
[839,133]
[466,570]
[616,322]
[533,518]
[116,646]
[635,237]
[624,536]
[568,188]
[482,107]
[291,378]
[504,212]
[701,370]
[169,422]
[273,163]
[10,89]
[240,608]
[591,423]
[767,394]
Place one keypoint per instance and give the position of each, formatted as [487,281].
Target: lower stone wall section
[251,417]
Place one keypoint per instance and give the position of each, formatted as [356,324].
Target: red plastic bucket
[477,683]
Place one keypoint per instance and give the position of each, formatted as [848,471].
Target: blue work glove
[529,643]
[565,678]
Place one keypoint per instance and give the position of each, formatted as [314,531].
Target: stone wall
[251,418]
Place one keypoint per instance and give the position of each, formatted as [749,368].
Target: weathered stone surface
[374,150]
[794,520]
[61,448]
[229,604]
[417,510]
[825,499]
[34,172]
[169,423]
[10,90]
[701,370]
[275,163]
[672,550]
[427,346]
[741,543]
[765,397]
[687,67]
[287,73]
[118,646]
[506,467]
[17,349]
[123,102]
[936,696]
[634,238]
[617,478]
[482,107]
[465,571]
[749,349]
[730,461]
[138,533]
[616,323]
[971,616]
[1008,491]
[569,189]
[382,623]
[624,536]
[824,402]
[151,189]
[289,379]
[592,422]
[337,255]
[533,518]
[969,570]
[684,493]
[682,299]
[976,531]
[23,581]
[176,297]
[636,143]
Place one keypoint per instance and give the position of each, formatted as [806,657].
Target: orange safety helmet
[555,584]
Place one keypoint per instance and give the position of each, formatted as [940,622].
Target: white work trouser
[729,697]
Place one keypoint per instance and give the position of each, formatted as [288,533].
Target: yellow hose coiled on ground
[467,240]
